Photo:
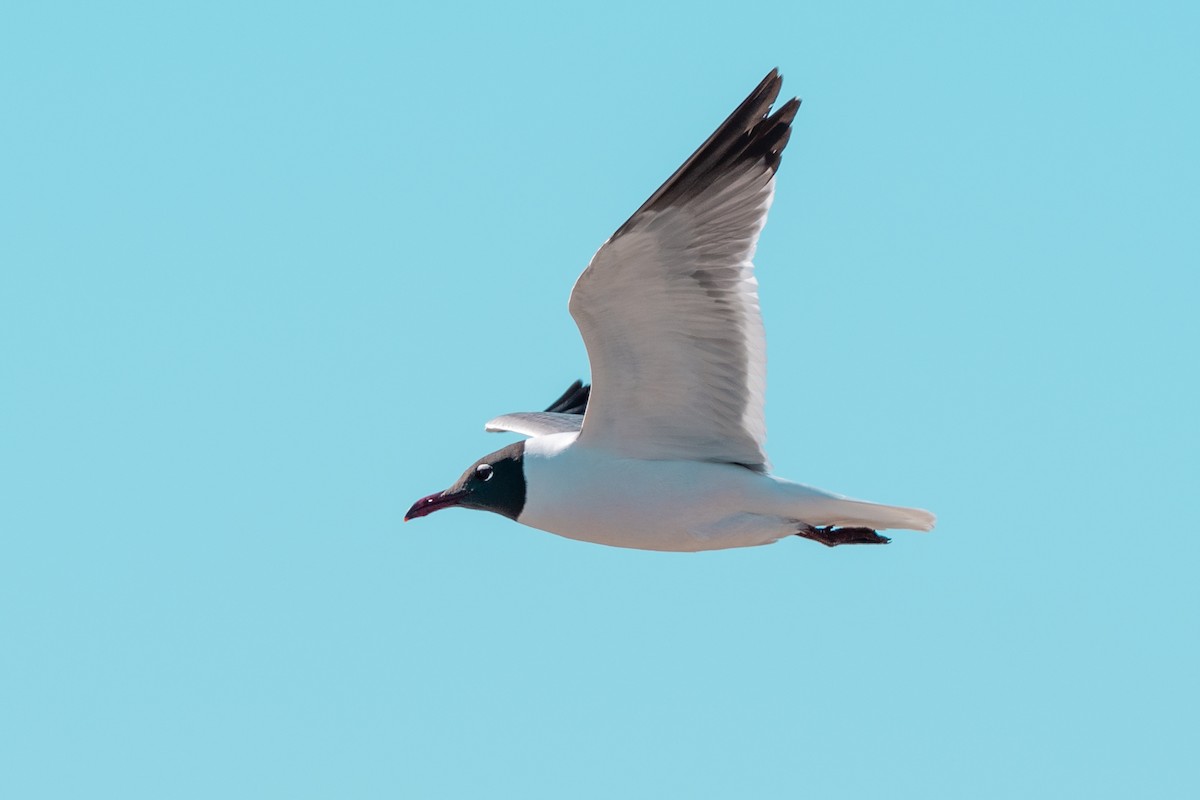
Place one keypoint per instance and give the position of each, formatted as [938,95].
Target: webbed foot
[832,537]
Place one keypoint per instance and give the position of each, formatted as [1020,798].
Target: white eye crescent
[484,472]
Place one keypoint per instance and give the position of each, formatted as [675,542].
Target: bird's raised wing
[668,307]
[564,414]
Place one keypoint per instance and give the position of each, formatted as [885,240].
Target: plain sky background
[266,269]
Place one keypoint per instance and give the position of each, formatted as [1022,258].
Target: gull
[664,451]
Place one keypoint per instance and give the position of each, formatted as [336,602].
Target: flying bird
[664,451]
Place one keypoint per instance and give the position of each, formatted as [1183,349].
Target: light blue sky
[265,271]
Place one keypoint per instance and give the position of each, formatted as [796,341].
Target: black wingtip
[573,401]
[767,90]
[775,132]
[750,133]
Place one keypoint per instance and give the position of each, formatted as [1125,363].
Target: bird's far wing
[668,307]
[563,415]
[535,423]
[573,401]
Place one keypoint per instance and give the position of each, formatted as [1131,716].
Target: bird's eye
[484,472]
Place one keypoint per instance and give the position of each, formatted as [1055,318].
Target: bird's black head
[494,483]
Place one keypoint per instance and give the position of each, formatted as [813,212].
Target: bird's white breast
[588,494]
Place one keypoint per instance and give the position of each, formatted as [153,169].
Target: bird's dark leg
[832,537]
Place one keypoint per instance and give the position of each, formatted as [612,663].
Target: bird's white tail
[820,509]
[878,517]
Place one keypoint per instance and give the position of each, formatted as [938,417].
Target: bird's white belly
[584,494]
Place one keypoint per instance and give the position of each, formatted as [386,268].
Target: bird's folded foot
[832,537]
